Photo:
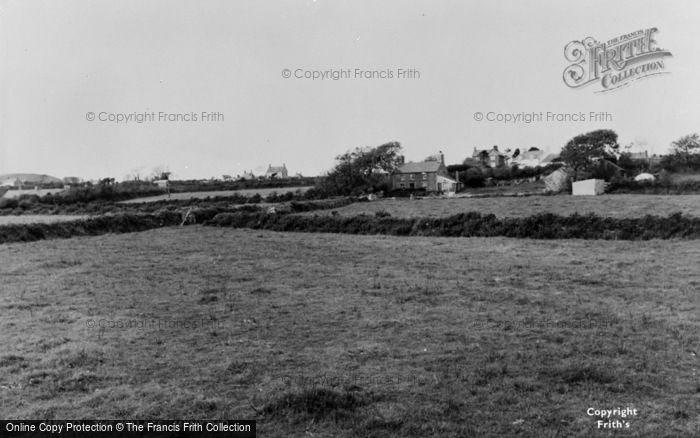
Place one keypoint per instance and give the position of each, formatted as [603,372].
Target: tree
[584,149]
[685,153]
[363,169]
[626,162]
[160,172]
[473,178]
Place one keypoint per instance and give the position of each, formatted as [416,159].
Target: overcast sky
[60,60]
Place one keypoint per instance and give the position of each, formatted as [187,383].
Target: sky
[62,61]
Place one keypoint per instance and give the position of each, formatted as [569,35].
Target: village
[523,171]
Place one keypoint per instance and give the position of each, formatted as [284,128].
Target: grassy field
[203,195]
[37,219]
[619,206]
[345,336]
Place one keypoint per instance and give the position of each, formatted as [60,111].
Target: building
[431,176]
[644,160]
[162,183]
[558,180]
[588,187]
[490,157]
[276,171]
[532,159]
[639,156]
[247,176]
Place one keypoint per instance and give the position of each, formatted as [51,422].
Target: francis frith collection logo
[615,63]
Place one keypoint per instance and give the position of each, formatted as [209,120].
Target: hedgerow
[540,226]
[472,224]
[122,223]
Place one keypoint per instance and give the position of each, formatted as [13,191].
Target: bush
[663,185]
[540,226]
[122,223]
[8,203]
[474,178]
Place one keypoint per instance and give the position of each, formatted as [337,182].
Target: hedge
[540,226]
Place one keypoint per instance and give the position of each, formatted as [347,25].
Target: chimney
[442,158]
[401,159]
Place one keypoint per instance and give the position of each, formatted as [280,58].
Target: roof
[530,155]
[424,166]
[489,151]
[276,169]
[448,178]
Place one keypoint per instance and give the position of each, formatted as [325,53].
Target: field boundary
[134,222]
[473,224]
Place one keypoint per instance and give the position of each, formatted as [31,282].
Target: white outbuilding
[588,187]
[644,177]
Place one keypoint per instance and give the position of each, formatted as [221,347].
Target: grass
[204,195]
[340,335]
[617,206]
[38,219]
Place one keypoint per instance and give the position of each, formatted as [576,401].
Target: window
[424,184]
[412,177]
[425,176]
[403,177]
[402,185]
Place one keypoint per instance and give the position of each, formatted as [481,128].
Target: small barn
[588,187]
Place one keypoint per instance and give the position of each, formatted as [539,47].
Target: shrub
[9,203]
[540,226]
[122,223]
[473,178]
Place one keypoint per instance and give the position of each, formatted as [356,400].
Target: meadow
[38,219]
[219,193]
[616,206]
[345,335]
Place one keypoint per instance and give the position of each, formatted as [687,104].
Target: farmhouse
[276,171]
[431,176]
[489,157]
